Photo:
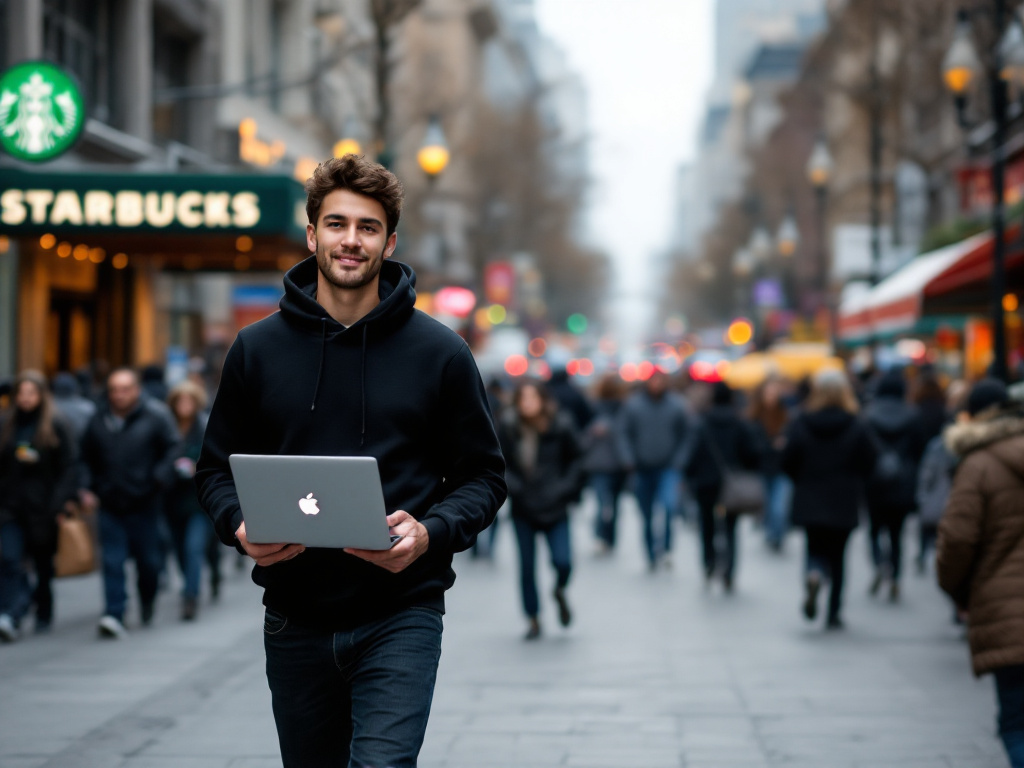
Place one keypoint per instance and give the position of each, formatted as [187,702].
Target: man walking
[348,367]
[129,450]
[655,441]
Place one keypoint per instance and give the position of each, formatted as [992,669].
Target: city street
[655,671]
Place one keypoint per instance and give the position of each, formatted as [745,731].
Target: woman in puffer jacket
[980,556]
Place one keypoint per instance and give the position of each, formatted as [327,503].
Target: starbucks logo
[41,111]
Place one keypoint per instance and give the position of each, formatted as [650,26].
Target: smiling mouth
[348,258]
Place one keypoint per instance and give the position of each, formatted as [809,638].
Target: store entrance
[70,331]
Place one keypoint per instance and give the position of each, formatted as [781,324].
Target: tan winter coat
[981,537]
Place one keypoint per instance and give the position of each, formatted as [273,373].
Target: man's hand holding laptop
[267,554]
[414,542]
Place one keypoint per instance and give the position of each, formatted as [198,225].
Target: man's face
[350,239]
[657,385]
[123,392]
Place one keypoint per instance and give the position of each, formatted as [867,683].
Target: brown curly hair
[356,174]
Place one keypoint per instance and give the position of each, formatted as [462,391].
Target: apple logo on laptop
[308,505]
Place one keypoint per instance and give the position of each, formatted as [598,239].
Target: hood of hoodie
[889,416]
[396,289]
[397,293]
[1002,433]
[828,422]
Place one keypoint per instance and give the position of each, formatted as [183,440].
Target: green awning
[70,204]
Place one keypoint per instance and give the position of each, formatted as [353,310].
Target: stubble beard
[352,280]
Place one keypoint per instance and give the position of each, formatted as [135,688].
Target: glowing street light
[433,155]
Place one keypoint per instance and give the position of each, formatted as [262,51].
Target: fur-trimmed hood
[1002,431]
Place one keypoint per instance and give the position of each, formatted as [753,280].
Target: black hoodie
[396,385]
[829,455]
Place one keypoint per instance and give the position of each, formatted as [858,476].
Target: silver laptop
[318,501]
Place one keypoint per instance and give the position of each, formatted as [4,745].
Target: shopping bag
[742,492]
[76,552]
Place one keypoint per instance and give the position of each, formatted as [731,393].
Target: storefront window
[172,65]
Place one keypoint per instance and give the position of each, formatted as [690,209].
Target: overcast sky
[647,65]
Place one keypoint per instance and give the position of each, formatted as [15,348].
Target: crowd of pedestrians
[830,458]
[122,457]
[830,455]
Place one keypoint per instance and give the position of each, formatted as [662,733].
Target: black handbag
[742,489]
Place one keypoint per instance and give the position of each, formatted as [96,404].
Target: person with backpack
[896,427]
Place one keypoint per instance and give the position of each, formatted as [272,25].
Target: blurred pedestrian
[544,473]
[892,488]
[129,449]
[929,397]
[37,478]
[935,481]
[497,401]
[725,442]
[571,400]
[72,406]
[829,455]
[980,560]
[656,437]
[602,460]
[191,530]
[769,415]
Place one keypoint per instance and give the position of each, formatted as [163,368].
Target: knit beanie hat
[985,394]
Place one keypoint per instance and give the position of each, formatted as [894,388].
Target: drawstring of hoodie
[362,377]
[320,369]
[362,386]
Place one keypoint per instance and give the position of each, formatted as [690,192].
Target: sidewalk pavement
[655,671]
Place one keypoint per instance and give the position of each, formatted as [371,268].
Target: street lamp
[433,155]
[788,236]
[819,173]
[742,267]
[760,244]
[961,66]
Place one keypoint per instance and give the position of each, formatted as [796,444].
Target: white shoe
[8,632]
[110,627]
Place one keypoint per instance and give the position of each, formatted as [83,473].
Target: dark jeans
[826,554]
[123,536]
[607,487]
[710,526]
[661,485]
[1010,690]
[561,559]
[16,591]
[889,526]
[191,537]
[353,699]
[778,492]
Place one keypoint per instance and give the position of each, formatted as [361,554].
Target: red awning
[975,268]
[896,304]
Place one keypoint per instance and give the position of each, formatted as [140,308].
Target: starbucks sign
[41,111]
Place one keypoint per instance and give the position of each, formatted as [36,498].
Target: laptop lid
[317,501]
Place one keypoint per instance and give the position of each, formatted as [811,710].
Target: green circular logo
[41,111]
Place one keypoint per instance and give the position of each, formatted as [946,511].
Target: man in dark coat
[129,450]
[892,488]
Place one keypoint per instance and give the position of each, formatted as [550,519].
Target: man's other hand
[267,554]
[414,543]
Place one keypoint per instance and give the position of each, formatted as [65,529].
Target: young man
[348,367]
